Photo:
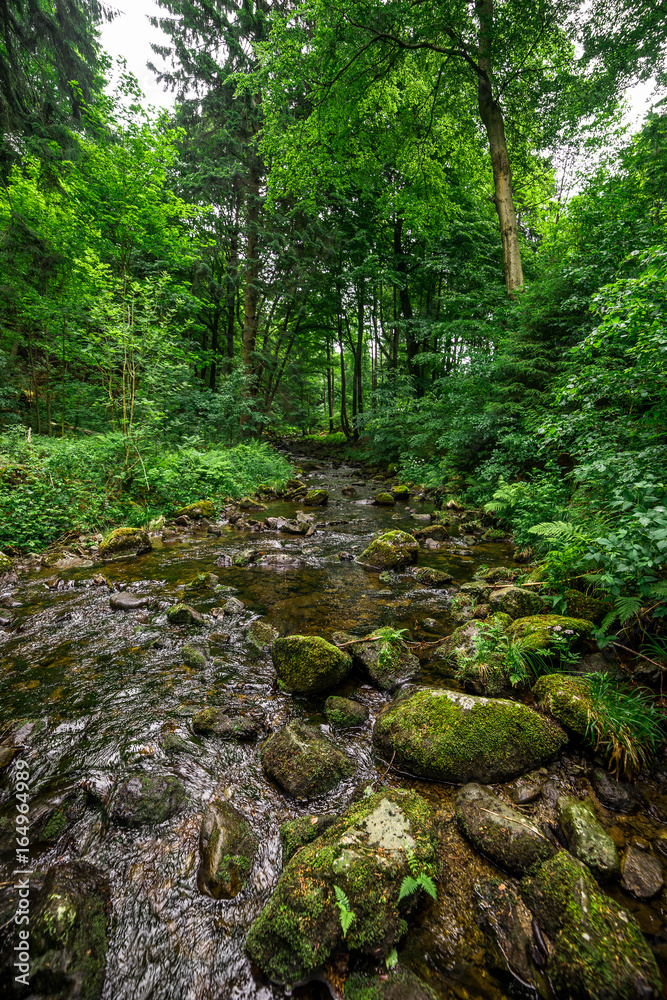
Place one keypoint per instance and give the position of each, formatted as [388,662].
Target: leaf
[391,961]
[428,885]
[409,885]
[341,898]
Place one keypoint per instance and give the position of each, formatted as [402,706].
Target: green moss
[296,833]
[56,824]
[308,664]
[539,630]
[183,614]
[5,563]
[203,508]
[566,699]
[517,602]
[303,762]
[193,657]
[399,985]
[453,737]
[122,541]
[590,608]
[316,498]
[401,492]
[384,500]
[391,550]
[343,713]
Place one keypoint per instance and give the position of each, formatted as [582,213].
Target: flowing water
[107,685]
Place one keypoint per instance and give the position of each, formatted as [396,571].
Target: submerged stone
[303,761]
[612,793]
[344,713]
[194,657]
[366,854]
[391,550]
[147,799]
[227,849]
[641,873]
[503,834]
[454,737]
[308,664]
[125,541]
[587,839]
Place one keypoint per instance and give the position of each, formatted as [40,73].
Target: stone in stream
[641,873]
[128,602]
[566,699]
[344,713]
[243,559]
[227,849]
[5,563]
[388,664]
[51,816]
[195,657]
[308,664]
[384,500]
[366,853]
[401,984]
[455,737]
[227,723]
[184,614]
[282,560]
[295,528]
[348,491]
[595,949]
[69,922]
[296,833]
[432,577]
[539,631]
[124,542]
[614,794]
[587,839]
[247,503]
[303,761]
[147,799]
[232,606]
[195,511]
[391,550]
[316,498]
[401,492]
[509,923]
[260,635]
[202,583]
[517,602]
[500,832]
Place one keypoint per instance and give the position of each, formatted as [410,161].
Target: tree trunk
[330,388]
[251,311]
[494,124]
[344,421]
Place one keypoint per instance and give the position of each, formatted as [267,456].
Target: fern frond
[625,607]
[556,529]
[341,898]
[408,887]
[659,589]
[428,885]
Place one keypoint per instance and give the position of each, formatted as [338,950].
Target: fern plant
[418,880]
[347,916]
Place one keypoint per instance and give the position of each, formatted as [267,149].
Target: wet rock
[590,608]
[388,664]
[308,664]
[504,915]
[641,873]
[260,635]
[345,556]
[183,614]
[475,655]
[281,560]
[435,533]
[124,542]
[296,833]
[566,699]
[7,755]
[202,583]
[147,799]
[51,816]
[69,920]
[399,984]
[5,563]
[128,602]
[540,631]
[449,736]
[173,743]
[499,573]
[391,550]
[183,521]
[596,951]
[517,602]
[503,834]
[227,848]
[294,528]
[232,606]
[422,518]
[247,503]
[365,854]
[384,500]
[348,491]
[316,498]
[224,561]
[228,724]
[432,577]
[344,713]
[303,761]
[243,559]
[587,839]
[616,795]
[195,511]
[401,492]
[195,657]
[525,790]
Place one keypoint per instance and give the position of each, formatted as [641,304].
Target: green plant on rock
[495,650]
[624,723]
[347,916]
[390,644]
[418,880]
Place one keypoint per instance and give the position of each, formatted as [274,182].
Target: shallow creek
[106,685]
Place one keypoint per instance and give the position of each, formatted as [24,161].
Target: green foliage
[347,917]
[624,723]
[418,880]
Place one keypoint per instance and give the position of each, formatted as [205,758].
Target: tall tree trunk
[344,420]
[330,388]
[358,357]
[494,124]
[401,262]
[251,311]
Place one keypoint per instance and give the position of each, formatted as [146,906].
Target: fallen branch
[660,666]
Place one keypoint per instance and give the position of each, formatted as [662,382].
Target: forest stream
[103,693]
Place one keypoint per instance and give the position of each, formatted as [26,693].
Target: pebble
[641,874]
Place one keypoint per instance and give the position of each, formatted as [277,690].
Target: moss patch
[296,833]
[125,541]
[566,699]
[308,664]
[343,713]
[391,550]
[303,762]
[540,630]
[195,511]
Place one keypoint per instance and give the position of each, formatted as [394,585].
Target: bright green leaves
[347,917]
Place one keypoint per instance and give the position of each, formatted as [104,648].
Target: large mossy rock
[69,919]
[517,602]
[391,550]
[384,500]
[566,699]
[540,631]
[316,498]
[303,761]
[147,799]
[195,511]
[596,950]
[184,614]
[587,839]
[125,542]
[589,608]
[500,832]
[460,656]
[227,849]
[454,737]
[429,577]
[388,664]
[308,664]
[365,853]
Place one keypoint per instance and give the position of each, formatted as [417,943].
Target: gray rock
[432,577]
[504,915]
[587,839]
[194,657]
[233,606]
[128,602]
[303,761]
[616,795]
[227,848]
[641,873]
[184,614]
[260,635]
[228,723]
[503,834]
[525,790]
[343,713]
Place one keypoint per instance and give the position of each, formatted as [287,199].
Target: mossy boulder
[316,498]
[455,737]
[391,550]
[69,921]
[596,950]
[125,542]
[389,664]
[52,815]
[365,853]
[261,635]
[592,609]
[517,602]
[194,657]
[247,503]
[245,558]
[227,724]
[227,849]
[384,500]
[147,799]
[202,583]
[308,664]
[343,713]
[432,577]
[587,839]
[5,563]
[184,614]
[566,699]
[400,984]
[401,492]
[303,762]
[500,832]
[195,511]
[540,631]
[296,833]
